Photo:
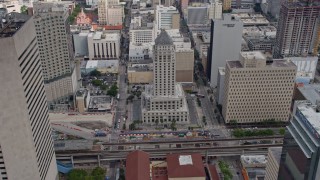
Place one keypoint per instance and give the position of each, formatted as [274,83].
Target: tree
[98,173]
[113,91]
[95,73]
[161,121]
[132,126]
[96,82]
[282,131]
[173,125]
[124,126]
[122,174]
[103,87]
[76,174]
[233,122]
[24,9]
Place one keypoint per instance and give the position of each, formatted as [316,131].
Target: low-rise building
[254,166]
[252,19]
[100,104]
[306,68]
[202,42]
[140,51]
[103,45]
[138,166]
[185,166]
[140,72]
[141,35]
[310,92]
[83,20]
[257,89]
[82,100]
[184,65]
[103,66]
[264,44]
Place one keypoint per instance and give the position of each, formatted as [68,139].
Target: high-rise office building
[215,10]
[110,12]
[226,5]
[56,49]
[164,101]
[166,18]
[298,29]
[301,144]
[257,90]
[26,147]
[197,15]
[225,44]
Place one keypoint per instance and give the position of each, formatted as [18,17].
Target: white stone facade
[103,45]
[164,101]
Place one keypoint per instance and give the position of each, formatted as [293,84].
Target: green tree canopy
[113,91]
[98,173]
[96,82]
[24,9]
[77,174]
[95,73]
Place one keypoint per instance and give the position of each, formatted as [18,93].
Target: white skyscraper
[56,49]
[26,147]
[225,44]
[164,101]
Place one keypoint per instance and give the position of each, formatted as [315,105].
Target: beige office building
[257,90]
[56,49]
[110,12]
[226,5]
[272,169]
[184,65]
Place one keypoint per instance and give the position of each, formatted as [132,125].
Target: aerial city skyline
[160,89]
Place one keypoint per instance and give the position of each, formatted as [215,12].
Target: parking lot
[107,79]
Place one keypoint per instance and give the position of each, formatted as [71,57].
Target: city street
[120,109]
[193,115]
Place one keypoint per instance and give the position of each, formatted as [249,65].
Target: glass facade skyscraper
[301,153]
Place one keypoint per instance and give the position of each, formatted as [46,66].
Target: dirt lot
[92,125]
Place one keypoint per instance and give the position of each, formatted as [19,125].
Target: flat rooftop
[302,4]
[257,55]
[12,23]
[98,35]
[275,64]
[100,102]
[308,111]
[311,92]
